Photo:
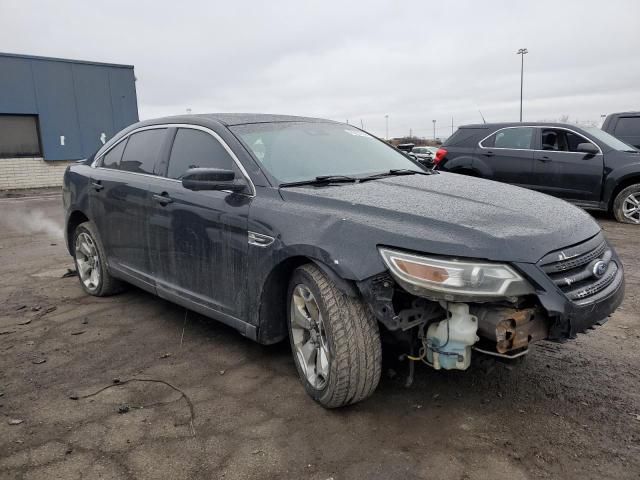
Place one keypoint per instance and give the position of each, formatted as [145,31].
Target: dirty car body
[443,263]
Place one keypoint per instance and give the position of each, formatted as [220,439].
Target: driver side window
[195,148]
[560,140]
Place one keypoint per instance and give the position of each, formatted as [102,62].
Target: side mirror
[587,147]
[211,179]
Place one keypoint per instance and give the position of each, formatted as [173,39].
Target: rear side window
[113,156]
[195,148]
[519,138]
[142,152]
[628,127]
[465,137]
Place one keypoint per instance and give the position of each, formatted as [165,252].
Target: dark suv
[583,165]
[625,126]
[316,231]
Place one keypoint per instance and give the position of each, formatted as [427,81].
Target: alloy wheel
[631,208]
[309,337]
[88,261]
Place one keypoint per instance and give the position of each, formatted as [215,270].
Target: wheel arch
[74,219]
[272,311]
[619,186]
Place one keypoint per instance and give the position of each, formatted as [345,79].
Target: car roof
[230,119]
[624,114]
[519,124]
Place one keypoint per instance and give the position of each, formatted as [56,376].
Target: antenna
[483,120]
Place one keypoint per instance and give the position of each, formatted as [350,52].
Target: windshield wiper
[395,172]
[322,180]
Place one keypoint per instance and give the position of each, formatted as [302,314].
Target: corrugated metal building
[54,110]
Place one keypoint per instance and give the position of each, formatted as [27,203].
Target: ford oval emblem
[599,268]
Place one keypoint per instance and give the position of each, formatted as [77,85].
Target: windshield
[608,140]
[296,151]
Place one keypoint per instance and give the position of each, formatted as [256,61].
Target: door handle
[544,159]
[488,154]
[97,185]
[163,199]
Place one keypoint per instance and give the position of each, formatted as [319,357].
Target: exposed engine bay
[443,334]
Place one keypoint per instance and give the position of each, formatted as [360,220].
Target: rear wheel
[334,339]
[91,264]
[626,206]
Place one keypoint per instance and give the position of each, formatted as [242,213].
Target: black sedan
[312,230]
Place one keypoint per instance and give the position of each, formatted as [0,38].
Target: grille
[575,270]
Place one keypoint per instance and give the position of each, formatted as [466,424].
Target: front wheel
[626,206]
[334,339]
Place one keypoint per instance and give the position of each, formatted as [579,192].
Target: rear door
[508,154]
[562,171]
[198,239]
[121,201]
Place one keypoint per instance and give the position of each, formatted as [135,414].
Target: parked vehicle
[584,165]
[405,147]
[625,126]
[316,231]
[424,155]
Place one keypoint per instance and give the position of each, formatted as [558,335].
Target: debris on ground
[117,382]
[15,421]
[25,322]
[38,361]
[165,355]
[222,372]
[124,408]
[21,307]
[70,273]
[79,332]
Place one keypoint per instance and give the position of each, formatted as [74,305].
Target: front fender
[618,176]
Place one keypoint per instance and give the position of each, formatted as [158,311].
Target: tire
[623,200]
[97,280]
[346,336]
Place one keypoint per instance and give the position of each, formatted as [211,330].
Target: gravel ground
[570,411]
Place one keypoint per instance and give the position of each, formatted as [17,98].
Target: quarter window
[113,156]
[195,148]
[519,138]
[142,152]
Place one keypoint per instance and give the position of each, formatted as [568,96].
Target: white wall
[18,173]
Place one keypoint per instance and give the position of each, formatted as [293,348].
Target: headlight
[451,279]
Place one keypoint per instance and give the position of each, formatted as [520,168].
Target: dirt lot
[570,411]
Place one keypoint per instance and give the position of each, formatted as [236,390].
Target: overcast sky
[415,61]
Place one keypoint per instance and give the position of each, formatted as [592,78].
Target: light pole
[434,129]
[386,119]
[522,52]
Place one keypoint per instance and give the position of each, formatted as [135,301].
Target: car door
[120,202]
[562,171]
[507,155]
[198,239]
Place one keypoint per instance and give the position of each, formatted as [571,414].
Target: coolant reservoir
[452,350]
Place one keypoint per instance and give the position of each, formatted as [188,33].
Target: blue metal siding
[16,87]
[76,100]
[57,111]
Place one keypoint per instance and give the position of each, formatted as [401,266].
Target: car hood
[445,214]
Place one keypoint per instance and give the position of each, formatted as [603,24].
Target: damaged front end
[442,309]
